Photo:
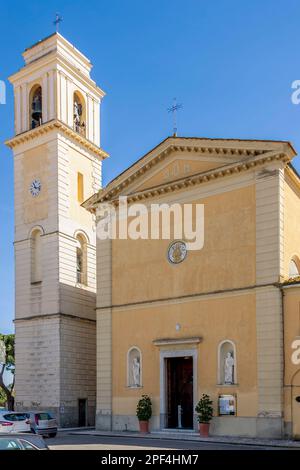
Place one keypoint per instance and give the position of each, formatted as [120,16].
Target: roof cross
[58,19]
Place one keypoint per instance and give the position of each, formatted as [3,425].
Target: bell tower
[57,165]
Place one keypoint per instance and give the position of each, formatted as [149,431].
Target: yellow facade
[230,291]
[224,321]
[292,370]
[220,317]
[225,262]
[209,295]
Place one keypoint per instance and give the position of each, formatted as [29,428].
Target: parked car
[21,441]
[13,421]
[43,423]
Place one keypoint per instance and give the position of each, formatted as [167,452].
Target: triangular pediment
[175,167]
[179,159]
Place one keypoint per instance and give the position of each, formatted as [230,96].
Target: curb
[88,428]
[286,444]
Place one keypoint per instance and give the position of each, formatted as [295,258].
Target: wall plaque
[227,405]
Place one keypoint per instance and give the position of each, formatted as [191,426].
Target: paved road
[65,440]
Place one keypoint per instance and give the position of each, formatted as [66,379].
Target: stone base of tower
[56,367]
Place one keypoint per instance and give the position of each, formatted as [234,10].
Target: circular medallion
[177,252]
[35,187]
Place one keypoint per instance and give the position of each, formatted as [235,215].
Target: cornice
[56,58]
[290,282]
[252,158]
[177,341]
[55,124]
[293,174]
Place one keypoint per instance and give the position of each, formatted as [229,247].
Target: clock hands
[35,187]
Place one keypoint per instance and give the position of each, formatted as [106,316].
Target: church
[102,320]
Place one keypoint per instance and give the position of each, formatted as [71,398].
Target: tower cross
[58,19]
[173,109]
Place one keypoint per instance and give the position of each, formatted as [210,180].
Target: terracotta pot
[204,429]
[144,426]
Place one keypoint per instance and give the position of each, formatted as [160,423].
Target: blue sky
[230,62]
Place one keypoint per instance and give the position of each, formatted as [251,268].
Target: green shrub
[144,408]
[204,409]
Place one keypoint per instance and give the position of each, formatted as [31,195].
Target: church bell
[36,108]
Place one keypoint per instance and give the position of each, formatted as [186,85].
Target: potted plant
[205,413]
[144,412]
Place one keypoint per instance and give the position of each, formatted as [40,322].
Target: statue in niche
[136,371]
[229,368]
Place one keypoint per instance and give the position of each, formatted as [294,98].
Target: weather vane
[173,109]
[58,19]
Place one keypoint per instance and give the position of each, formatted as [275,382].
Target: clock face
[35,188]
[177,252]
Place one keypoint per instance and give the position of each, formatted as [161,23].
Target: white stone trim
[178,157]
[81,233]
[189,298]
[219,382]
[141,367]
[176,341]
[165,354]
[45,104]
[36,227]
[269,269]
[270,353]
[18,116]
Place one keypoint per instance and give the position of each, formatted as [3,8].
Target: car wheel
[52,434]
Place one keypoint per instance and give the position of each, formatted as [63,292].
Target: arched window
[36,116]
[227,373]
[81,259]
[134,367]
[79,116]
[36,255]
[294,270]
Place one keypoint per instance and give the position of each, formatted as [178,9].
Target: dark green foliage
[204,409]
[144,408]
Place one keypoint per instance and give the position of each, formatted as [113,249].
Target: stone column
[18,116]
[45,106]
[269,268]
[25,108]
[104,335]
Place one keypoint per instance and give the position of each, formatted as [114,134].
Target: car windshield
[28,446]
[15,417]
[9,444]
[37,443]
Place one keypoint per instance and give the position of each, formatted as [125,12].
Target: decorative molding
[167,354]
[187,298]
[55,124]
[53,315]
[175,341]
[250,158]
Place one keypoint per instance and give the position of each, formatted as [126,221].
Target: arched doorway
[296,405]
